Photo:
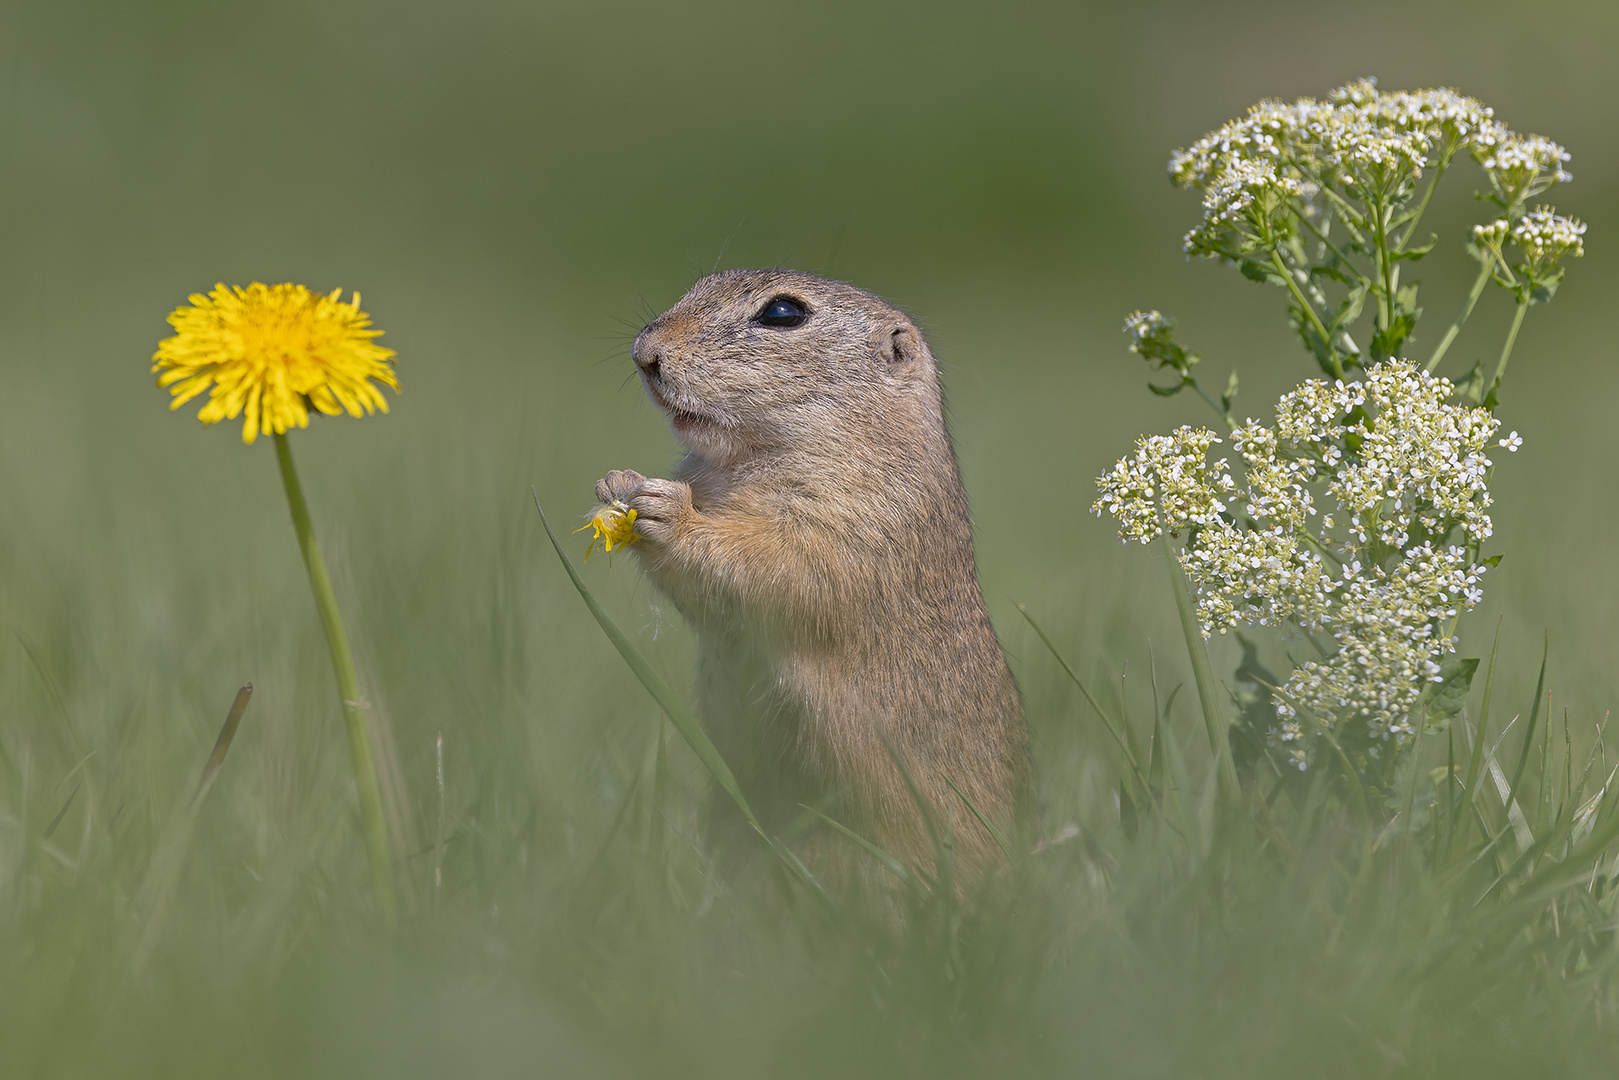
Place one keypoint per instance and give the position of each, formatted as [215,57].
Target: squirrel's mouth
[709,435]
[683,419]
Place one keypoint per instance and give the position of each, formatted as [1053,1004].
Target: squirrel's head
[762,361]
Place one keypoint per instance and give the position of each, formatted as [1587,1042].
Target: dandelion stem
[1214,715]
[374,825]
[1309,310]
[1467,310]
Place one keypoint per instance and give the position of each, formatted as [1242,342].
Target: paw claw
[620,485]
[658,504]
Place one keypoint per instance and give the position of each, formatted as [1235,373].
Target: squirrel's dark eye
[783,313]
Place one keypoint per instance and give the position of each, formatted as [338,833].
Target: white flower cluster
[1229,199]
[1492,235]
[1420,464]
[1403,472]
[1355,113]
[1386,627]
[1519,166]
[1169,484]
[1143,326]
[1442,112]
[1545,237]
[1267,132]
[1369,143]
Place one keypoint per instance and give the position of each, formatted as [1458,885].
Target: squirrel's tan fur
[816,536]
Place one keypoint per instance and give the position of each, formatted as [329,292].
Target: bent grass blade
[989,826]
[667,699]
[227,733]
[887,861]
[1124,745]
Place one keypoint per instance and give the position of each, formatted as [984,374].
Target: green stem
[1467,309]
[1238,257]
[1309,309]
[1225,414]
[373,823]
[1444,163]
[1208,696]
[1506,350]
[1346,210]
[1311,541]
[1385,267]
[438,832]
[1330,246]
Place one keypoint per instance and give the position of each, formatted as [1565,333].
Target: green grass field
[514,188]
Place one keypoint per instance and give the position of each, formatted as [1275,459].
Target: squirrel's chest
[744,680]
[769,703]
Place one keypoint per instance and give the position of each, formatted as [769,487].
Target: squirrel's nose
[648,357]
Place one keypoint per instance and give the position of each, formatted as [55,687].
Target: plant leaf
[1258,271]
[1230,392]
[1417,252]
[1350,308]
[1445,699]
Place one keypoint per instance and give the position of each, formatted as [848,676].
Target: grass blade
[1476,761]
[889,863]
[438,826]
[1534,713]
[982,820]
[216,760]
[1119,738]
[60,814]
[1208,696]
[929,820]
[684,722]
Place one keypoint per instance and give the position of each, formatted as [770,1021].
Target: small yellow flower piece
[273,351]
[615,526]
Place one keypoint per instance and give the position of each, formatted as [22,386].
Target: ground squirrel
[816,536]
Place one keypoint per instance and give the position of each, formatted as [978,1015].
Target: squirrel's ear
[902,349]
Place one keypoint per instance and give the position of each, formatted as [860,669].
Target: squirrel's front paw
[620,485]
[662,508]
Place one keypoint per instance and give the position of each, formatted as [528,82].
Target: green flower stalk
[274,352]
[374,824]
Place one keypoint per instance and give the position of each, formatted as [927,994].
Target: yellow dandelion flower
[614,524]
[273,351]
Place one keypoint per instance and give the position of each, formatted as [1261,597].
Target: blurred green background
[515,187]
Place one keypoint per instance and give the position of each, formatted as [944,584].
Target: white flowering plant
[1355,523]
